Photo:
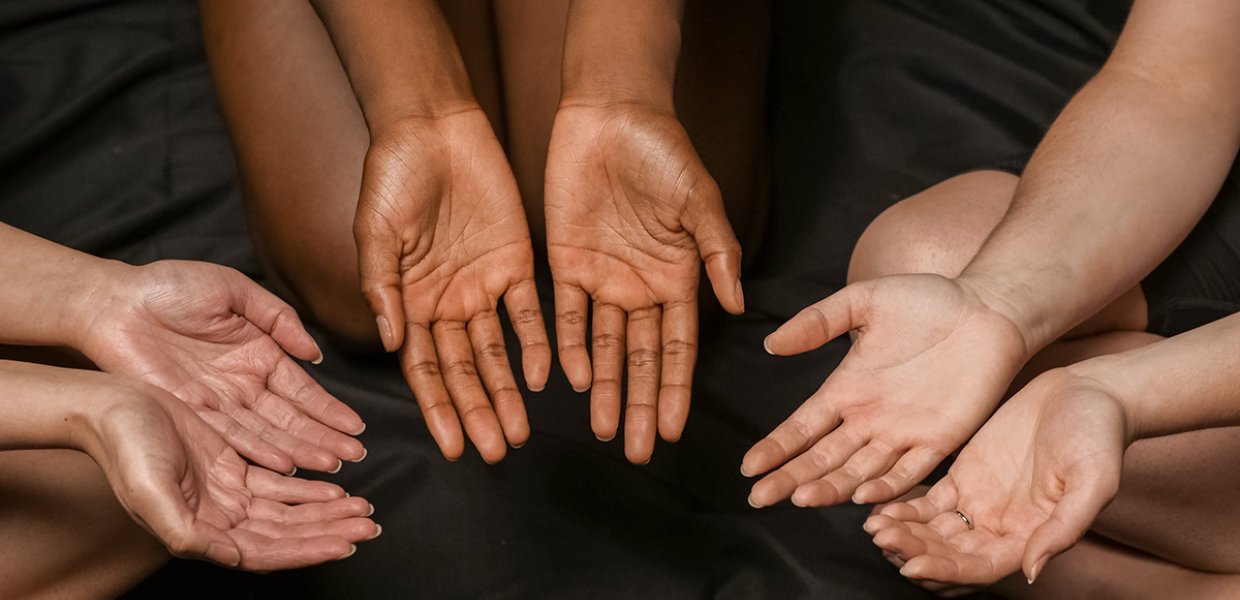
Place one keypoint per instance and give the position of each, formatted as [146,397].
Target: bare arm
[1123,174]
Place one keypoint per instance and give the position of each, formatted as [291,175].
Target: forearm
[44,407]
[401,58]
[1122,176]
[1190,381]
[49,290]
[621,52]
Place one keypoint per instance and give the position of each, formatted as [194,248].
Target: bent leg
[300,140]
[63,534]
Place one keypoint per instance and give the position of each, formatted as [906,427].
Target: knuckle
[492,352]
[643,359]
[527,316]
[607,341]
[460,368]
[424,368]
[571,318]
[679,348]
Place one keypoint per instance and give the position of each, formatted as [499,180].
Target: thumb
[1068,522]
[162,508]
[819,323]
[378,253]
[708,223]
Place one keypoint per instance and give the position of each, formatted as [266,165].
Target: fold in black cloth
[111,143]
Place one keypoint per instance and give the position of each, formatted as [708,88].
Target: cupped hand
[929,364]
[177,478]
[442,236]
[1031,482]
[221,344]
[631,215]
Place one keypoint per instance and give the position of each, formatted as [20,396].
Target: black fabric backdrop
[110,142]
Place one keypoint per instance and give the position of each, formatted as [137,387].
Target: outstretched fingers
[816,461]
[292,383]
[420,363]
[526,316]
[809,423]
[680,350]
[644,341]
[460,374]
[608,345]
[907,472]
[819,323]
[487,336]
[571,303]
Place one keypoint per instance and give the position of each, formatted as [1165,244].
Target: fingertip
[318,359]
[359,459]
[224,554]
[386,334]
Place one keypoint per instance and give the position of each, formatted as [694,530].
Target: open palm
[929,365]
[1032,481]
[221,344]
[442,236]
[181,481]
[631,215]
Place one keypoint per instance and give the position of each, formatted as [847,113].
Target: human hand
[178,479]
[1031,483]
[929,364]
[218,341]
[631,213]
[442,235]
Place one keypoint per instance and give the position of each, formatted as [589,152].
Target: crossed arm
[1120,179]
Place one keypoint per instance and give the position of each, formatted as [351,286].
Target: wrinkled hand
[442,235]
[1032,481]
[631,213]
[929,364]
[218,341]
[180,480]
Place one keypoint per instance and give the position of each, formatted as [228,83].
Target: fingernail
[753,502]
[797,501]
[372,510]
[351,552]
[362,457]
[868,526]
[605,439]
[362,430]
[857,498]
[1037,569]
[378,532]
[536,389]
[319,360]
[766,345]
[581,389]
[339,465]
[224,554]
[740,295]
[745,472]
[385,332]
[293,472]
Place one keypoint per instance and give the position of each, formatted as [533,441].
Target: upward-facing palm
[218,342]
[631,213]
[1031,482]
[442,236]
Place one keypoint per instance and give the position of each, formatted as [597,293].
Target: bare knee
[936,231]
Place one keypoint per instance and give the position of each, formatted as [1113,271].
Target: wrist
[999,299]
[1104,375]
[621,55]
[100,290]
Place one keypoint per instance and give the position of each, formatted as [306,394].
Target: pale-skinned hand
[222,344]
[178,479]
[442,235]
[1032,481]
[929,364]
[631,215]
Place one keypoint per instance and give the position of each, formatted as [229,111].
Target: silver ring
[966,520]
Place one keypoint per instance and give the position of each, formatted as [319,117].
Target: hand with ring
[1024,489]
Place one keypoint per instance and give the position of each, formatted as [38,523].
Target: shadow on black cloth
[112,144]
